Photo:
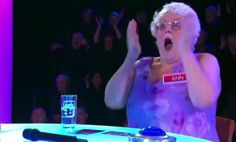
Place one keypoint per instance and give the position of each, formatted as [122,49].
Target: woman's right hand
[134,47]
[99,21]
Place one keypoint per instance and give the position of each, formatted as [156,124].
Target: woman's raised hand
[134,47]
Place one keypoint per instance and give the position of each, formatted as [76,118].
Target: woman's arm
[119,85]
[96,35]
[117,32]
[203,79]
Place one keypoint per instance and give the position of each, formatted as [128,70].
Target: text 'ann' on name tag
[174,78]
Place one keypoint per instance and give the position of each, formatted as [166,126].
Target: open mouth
[168,44]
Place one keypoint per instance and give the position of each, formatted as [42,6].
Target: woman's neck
[169,63]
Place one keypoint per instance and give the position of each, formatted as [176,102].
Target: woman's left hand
[186,43]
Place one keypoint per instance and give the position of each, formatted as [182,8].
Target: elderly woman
[177,91]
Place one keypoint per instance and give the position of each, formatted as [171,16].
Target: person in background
[82,114]
[78,60]
[38,115]
[62,83]
[93,97]
[227,60]
[213,25]
[202,46]
[177,91]
[145,38]
[85,23]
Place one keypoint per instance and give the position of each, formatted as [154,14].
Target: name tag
[174,78]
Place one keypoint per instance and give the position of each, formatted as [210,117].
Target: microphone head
[31,134]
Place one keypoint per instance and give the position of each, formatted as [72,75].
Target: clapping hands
[134,47]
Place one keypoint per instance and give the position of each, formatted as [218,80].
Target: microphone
[35,135]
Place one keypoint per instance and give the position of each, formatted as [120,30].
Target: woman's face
[38,116]
[76,40]
[170,30]
[88,15]
[108,43]
[210,15]
[62,84]
[114,18]
[96,80]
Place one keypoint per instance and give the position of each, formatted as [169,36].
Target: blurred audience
[227,60]
[213,25]
[93,97]
[78,60]
[146,40]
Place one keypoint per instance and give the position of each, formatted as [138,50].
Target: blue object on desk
[152,131]
[151,134]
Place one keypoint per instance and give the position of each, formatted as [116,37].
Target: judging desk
[92,133]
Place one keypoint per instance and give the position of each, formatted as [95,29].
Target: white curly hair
[181,9]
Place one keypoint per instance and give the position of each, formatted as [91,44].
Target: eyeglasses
[175,25]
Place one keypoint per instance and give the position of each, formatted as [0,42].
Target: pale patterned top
[167,106]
